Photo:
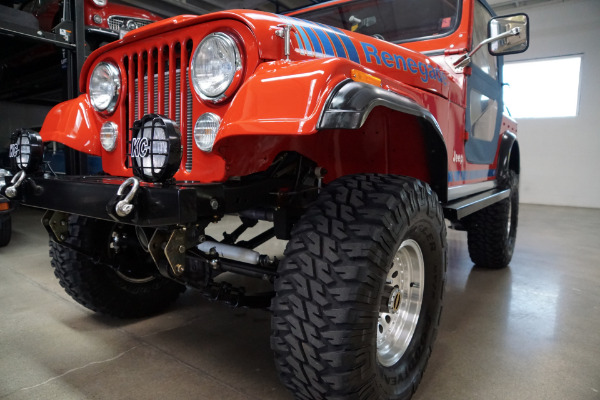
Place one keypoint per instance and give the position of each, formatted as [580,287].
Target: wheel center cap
[395,300]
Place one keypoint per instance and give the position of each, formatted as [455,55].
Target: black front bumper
[154,204]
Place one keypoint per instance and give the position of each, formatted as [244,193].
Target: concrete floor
[531,331]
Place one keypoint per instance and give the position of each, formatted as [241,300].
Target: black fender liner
[350,104]
[508,155]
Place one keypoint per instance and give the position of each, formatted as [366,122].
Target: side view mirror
[506,35]
[509,44]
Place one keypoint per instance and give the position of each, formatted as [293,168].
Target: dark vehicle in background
[104,21]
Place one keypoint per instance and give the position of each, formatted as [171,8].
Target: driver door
[484,95]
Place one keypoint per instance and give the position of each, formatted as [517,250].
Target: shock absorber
[234,253]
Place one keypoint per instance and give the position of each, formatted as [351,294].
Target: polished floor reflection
[531,331]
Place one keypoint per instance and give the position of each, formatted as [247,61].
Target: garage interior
[529,331]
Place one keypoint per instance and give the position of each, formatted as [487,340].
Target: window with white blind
[542,88]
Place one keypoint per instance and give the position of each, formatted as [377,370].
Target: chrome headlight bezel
[107,78]
[229,72]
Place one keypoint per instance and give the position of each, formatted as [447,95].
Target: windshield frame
[297,13]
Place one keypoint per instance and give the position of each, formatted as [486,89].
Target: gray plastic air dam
[230,252]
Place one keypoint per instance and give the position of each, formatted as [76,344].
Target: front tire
[359,294]
[128,288]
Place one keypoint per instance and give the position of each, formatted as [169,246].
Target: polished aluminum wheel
[401,303]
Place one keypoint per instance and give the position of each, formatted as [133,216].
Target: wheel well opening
[389,142]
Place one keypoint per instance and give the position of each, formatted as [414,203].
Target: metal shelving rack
[69,35]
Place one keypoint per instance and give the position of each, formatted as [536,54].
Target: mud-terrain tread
[328,286]
[96,286]
[5,229]
[489,244]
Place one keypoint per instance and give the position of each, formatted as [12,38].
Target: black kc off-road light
[26,150]
[155,148]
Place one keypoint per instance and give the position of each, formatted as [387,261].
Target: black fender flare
[509,157]
[350,104]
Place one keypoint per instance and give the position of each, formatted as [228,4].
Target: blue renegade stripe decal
[324,39]
[403,62]
[350,48]
[302,25]
[313,40]
[307,42]
[327,47]
[337,43]
[459,176]
[319,40]
[300,44]
[348,43]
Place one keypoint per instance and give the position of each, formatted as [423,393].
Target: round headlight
[100,3]
[108,136]
[215,66]
[105,84]
[26,150]
[205,131]
[155,148]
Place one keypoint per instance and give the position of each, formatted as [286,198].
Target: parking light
[205,131]
[108,136]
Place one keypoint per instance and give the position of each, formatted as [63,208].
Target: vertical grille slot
[190,136]
[158,84]
[139,112]
[172,93]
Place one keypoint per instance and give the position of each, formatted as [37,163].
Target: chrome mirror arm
[466,59]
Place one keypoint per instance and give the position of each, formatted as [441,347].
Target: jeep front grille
[163,89]
[118,22]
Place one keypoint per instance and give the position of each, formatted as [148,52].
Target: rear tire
[5,229]
[492,232]
[339,330]
[129,288]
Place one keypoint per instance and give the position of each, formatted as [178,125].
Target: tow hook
[124,207]
[16,181]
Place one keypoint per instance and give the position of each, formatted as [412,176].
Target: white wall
[560,157]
